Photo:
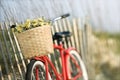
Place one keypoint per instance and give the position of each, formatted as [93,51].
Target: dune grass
[113,36]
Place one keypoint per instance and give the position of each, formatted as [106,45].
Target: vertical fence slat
[1,75]
[67,29]
[5,62]
[14,51]
[81,44]
[56,57]
[18,47]
[63,29]
[70,29]
[64,26]
[19,50]
[75,32]
[59,26]
[4,58]
[78,33]
[55,27]
[88,56]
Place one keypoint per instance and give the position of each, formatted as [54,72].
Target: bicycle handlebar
[61,17]
[65,15]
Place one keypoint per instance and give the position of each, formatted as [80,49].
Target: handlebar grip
[65,15]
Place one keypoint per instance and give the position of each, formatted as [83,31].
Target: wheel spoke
[36,71]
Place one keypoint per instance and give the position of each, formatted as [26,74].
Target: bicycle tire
[77,58]
[30,70]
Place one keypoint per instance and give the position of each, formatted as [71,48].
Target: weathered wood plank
[64,26]
[14,51]
[56,55]
[75,32]
[1,75]
[70,29]
[20,53]
[4,57]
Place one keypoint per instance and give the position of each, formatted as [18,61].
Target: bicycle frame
[64,54]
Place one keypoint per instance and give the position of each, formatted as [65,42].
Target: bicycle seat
[59,35]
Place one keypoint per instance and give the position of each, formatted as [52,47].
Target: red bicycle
[73,67]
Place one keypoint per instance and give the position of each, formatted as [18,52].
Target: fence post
[14,51]
[19,50]
[5,62]
[89,63]
[70,29]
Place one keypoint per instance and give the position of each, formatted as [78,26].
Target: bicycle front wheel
[76,66]
[36,71]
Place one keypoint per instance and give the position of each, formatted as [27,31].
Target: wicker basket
[36,41]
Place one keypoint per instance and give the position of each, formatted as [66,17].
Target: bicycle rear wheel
[76,66]
[36,71]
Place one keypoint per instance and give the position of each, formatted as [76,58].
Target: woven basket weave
[36,41]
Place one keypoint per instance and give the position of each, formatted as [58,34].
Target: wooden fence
[12,62]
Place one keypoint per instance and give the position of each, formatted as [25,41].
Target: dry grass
[105,51]
[106,36]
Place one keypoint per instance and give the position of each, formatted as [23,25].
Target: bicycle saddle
[59,35]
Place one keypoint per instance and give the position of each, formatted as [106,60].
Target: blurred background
[103,14]
[103,39]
